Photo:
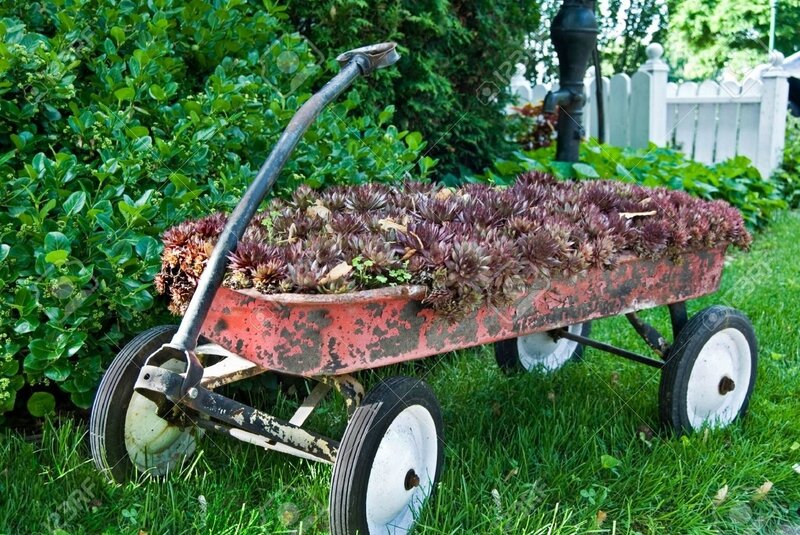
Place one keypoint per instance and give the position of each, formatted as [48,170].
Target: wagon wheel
[540,350]
[710,372]
[125,432]
[389,460]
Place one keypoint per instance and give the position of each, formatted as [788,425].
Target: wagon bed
[313,335]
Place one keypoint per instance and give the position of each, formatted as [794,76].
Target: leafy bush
[531,127]
[458,58]
[735,181]
[789,173]
[119,119]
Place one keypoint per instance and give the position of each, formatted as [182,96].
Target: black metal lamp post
[574,35]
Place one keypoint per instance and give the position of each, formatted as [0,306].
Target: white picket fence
[707,121]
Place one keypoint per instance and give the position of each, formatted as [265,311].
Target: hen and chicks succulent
[469,246]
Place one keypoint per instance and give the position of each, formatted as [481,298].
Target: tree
[451,83]
[706,36]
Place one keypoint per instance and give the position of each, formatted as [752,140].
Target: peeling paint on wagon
[315,335]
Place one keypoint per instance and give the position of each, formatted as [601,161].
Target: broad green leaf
[609,462]
[54,241]
[156,92]
[26,325]
[74,203]
[125,93]
[41,404]
[414,140]
[147,248]
[585,170]
[57,257]
[58,371]
[43,351]
[118,34]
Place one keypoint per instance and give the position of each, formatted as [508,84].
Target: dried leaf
[389,223]
[601,517]
[419,241]
[796,467]
[510,474]
[720,496]
[762,491]
[408,254]
[631,215]
[444,193]
[339,271]
[318,210]
[497,409]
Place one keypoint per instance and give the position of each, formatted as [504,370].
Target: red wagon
[158,395]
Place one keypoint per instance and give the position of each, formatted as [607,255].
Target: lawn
[577,451]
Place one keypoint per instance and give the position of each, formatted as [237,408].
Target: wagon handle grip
[361,61]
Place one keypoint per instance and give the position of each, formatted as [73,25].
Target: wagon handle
[360,61]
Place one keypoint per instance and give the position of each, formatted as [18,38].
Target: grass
[570,452]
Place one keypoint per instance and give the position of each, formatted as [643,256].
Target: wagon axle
[411,480]
[726,385]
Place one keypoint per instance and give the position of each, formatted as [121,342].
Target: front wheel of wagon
[389,460]
[710,371]
[125,432]
[540,350]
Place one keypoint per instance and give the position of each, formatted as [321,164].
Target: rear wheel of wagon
[710,371]
[126,434]
[540,350]
[389,460]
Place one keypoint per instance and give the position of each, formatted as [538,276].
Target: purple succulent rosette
[474,245]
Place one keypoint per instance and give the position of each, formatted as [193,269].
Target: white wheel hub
[402,472]
[540,350]
[719,380]
[153,444]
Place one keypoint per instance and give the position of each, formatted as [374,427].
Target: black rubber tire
[673,392]
[363,435]
[506,352]
[107,420]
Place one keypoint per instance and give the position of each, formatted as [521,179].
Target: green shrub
[119,119]
[458,58]
[789,173]
[734,180]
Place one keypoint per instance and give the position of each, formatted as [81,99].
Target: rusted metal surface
[316,335]
[649,334]
[350,389]
[230,369]
[155,382]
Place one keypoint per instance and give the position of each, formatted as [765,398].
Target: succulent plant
[367,198]
[478,244]
[305,276]
[468,265]
[437,210]
[382,255]
[303,197]
[346,224]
